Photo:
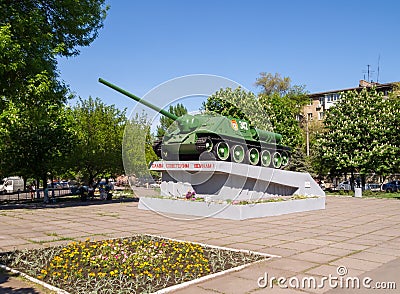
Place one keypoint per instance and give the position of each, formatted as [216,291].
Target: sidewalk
[361,234]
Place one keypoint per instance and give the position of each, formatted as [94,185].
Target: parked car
[393,186]
[344,186]
[54,185]
[372,187]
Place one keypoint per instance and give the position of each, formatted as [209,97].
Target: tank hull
[197,149]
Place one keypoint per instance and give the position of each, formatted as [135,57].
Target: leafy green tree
[34,129]
[386,152]
[165,122]
[36,141]
[282,114]
[361,134]
[240,104]
[138,148]
[271,84]
[316,130]
[284,102]
[99,129]
[34,32]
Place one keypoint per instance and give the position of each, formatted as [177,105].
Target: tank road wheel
[253,156]
[285,158]
[277,160]
[237,153]
[208,145]
[265,158]
[222,150]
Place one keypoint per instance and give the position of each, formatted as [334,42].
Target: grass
[126,194]
[60,238]
[367,194]
[139,264]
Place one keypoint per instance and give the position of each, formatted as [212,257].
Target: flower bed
[139,264]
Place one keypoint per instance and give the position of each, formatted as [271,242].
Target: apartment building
[322,101]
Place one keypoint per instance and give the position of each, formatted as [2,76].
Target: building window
[309,116]
[321,115]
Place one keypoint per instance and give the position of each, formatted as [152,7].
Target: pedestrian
[91,192]
[103,193]
[31,191]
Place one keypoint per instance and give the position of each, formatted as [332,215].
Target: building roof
[361,86]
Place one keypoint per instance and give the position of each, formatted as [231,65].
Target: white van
[11,184]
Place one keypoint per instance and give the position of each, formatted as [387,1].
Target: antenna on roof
[369,72]
[377,76]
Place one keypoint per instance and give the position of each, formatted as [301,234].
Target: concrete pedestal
[227,184]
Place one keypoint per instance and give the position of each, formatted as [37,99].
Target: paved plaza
[360,234]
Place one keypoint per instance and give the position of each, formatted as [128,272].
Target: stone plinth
[225,186]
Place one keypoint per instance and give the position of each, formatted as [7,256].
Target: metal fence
[39,194]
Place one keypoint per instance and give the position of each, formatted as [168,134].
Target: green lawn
[366,194]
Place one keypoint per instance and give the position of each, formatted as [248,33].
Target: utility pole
[307,138]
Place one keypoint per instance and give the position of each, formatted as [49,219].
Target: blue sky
[324,45]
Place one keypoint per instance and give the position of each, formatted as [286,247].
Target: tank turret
[208,136]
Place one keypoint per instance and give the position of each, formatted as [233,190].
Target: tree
[99,129]
[275,85]
[316,130]
[240,104]
[271,84]
[137,148]
[284,102]
[34,32]
[282,114]
[361,134]
[32,119]
[165,122]
[386,154]
[36,141]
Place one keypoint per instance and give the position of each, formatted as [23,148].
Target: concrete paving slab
[375,257]
[315,257]
[292,264]
[361,239]
[299,247]
[359,264]
[9,283]
[334,251]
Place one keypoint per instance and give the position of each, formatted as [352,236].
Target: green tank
[207,137]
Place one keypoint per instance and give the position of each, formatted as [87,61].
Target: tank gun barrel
[130,95]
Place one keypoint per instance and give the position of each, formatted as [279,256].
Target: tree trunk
[363,182]
[352,180]
[44,179]
[37,188]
